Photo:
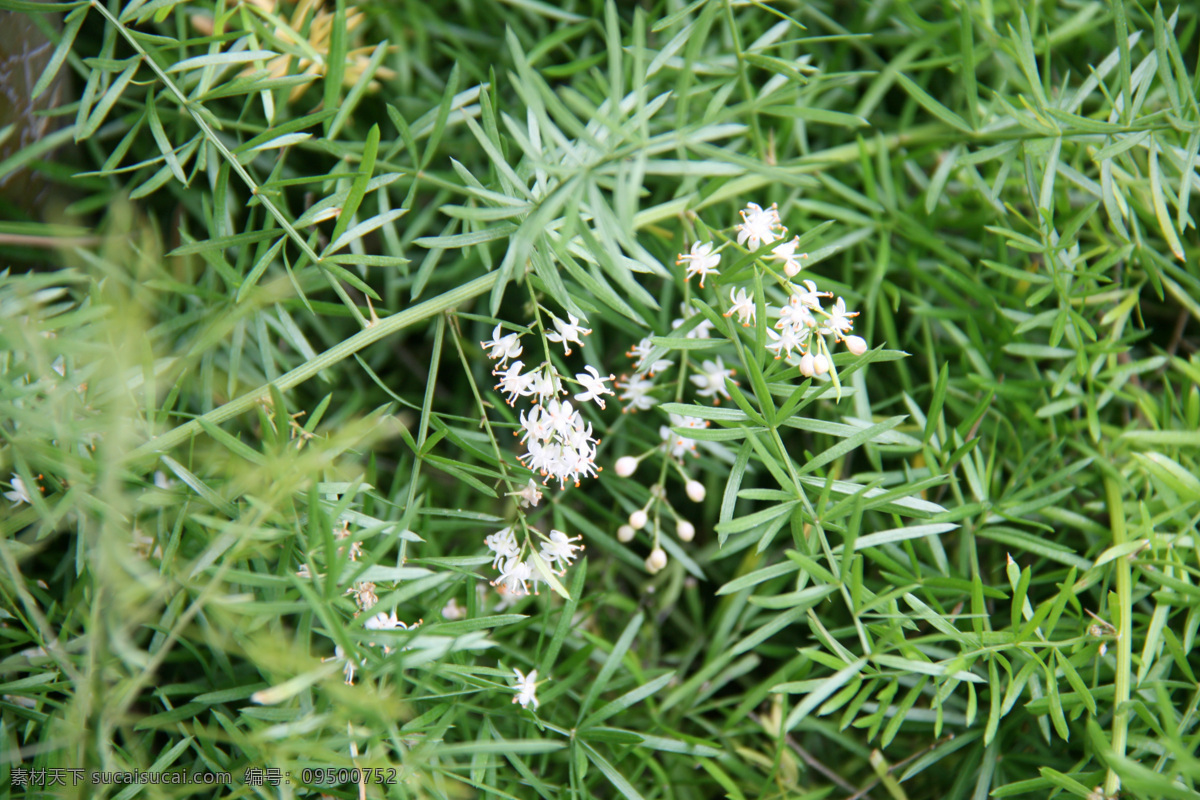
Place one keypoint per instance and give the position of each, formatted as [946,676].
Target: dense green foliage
[251,259]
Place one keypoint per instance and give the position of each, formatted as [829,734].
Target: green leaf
[619,781]
[221,60]
[826,688]
[610,665]
[931,105]
[627,700]
[71,26]
[850,443]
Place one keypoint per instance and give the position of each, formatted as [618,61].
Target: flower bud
[656,560]
[638,520]
[627,465]
[685,530]
[820,364]
[695,491]
[791,267]
[856,345]
[625,534]
[806,365]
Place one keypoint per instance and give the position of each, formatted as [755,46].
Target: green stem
[1124,580]
[343,350]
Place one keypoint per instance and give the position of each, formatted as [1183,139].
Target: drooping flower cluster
[559,444]
[516,573]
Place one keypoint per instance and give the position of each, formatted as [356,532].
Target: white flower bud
[656,560]
[806,365]
[685,530]
[627,465]
[625,534]
[856,345]
[695,491]
[638,520]
[791,267]
[820,364]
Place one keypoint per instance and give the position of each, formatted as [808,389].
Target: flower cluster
[804,325]
[559,444]
[516,571]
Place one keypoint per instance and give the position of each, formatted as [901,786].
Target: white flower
[530,495]
[798,319]
[786,253]
[637,394]
[784,342]
[807,365]
[810,298]
[685,530]
[696,491]
[559,549]
[840,321]
[567,332]
[743,306]
[541,458]
[701,261]
[545,384]
[626,466]
[759,226]
[513,383]
[856,345]
[503,347]
[18,495]
[384,622]
[711,379]
[625,533]
[538,424]
[526,688]
[504,544]
[638,519]
[593,386]
[560,415]
[513,577]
